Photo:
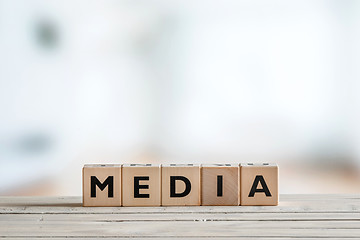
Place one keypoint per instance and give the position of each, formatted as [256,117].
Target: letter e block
[259,184]
[141,185]
[180,185]
[102,185]
[220,184]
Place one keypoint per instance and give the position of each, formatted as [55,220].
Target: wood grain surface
[296,217]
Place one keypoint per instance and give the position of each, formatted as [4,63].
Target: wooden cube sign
[180,185]
[259,184]
[141,185]
[102,185]
[220,184]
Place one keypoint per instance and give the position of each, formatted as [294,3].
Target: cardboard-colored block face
[259,184]
[102,185]
[141,185]
[180,185]
[220,184]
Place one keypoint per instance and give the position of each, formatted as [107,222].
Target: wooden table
[297,216]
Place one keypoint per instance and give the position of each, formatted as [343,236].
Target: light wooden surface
[296,217]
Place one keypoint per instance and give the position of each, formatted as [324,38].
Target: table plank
[183,217]
[178,229]
[297,216]
[288,203]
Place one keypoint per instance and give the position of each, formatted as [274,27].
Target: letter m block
[102,185]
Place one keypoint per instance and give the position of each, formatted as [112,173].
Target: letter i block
[220,184]
[141,185]
[259,184]
[180,184]
[102,185]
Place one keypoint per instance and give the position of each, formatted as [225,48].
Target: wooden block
[141,185]
[220,184]
[259,184]
[102,185]
[180,185]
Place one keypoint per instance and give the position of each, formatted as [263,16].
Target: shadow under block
[180,185]
[220,184]
[102,185]
[141,185]
[259,184]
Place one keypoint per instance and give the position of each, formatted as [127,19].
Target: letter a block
[220,184]
[102,185]
[259,184]
[180,185]
[141,185]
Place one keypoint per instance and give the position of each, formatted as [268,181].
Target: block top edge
[101,165]
[140,165]
[180,165]
[258,165]
[220,165]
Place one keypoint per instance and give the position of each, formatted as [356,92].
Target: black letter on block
[254,189]
[219,185]
[108,182]
[137,187]
[172,186]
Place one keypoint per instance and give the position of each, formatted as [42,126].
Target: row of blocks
[180,184]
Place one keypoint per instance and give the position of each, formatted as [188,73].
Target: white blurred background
[179,81]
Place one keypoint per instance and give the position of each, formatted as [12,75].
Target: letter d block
[141,185]
[102,185]
[259,184]
[180,185]
[220,184]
